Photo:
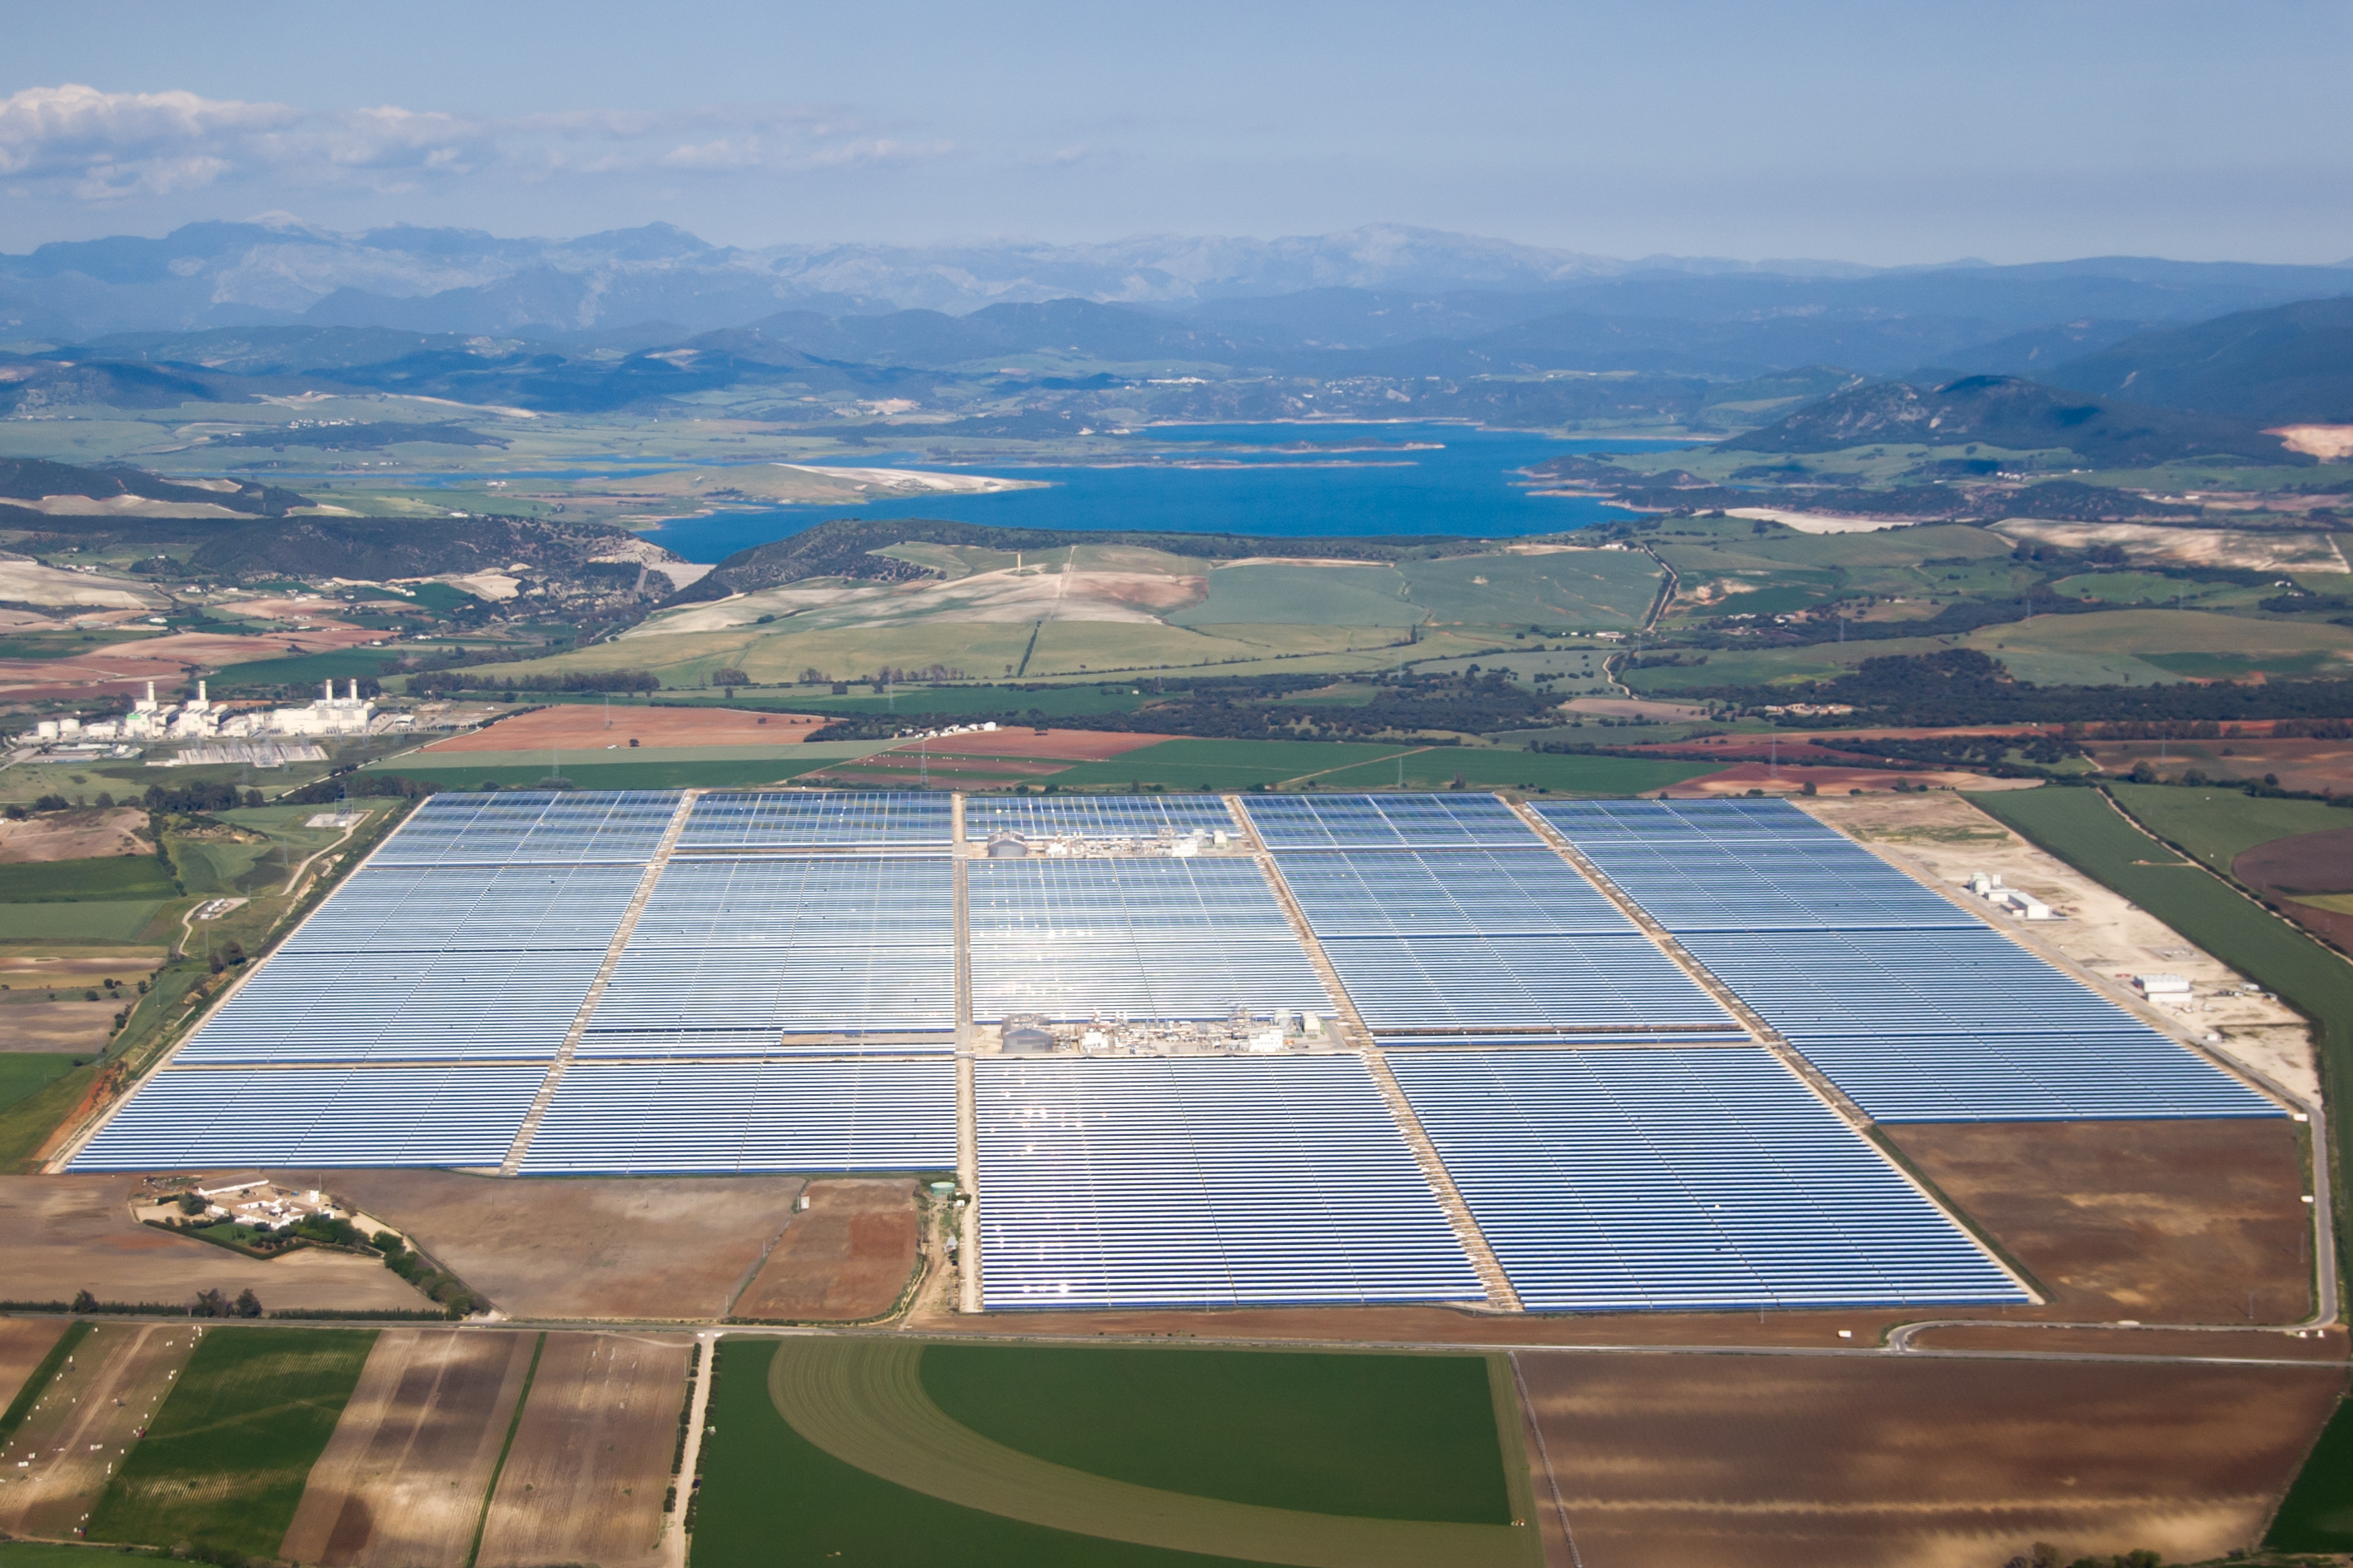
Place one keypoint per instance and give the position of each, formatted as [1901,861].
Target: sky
[1889,133]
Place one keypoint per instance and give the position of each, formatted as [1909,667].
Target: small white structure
[2025,906]
[2155,985]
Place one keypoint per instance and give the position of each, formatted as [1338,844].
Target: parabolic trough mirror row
[1276,1049]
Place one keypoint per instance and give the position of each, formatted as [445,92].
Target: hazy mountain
[2014,414]
[1375,286]
[2290,364]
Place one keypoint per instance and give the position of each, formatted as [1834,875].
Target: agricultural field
[2316,1514]
[85,1421]
[847,1256]
[590,1460]
[224,1462]
[64,1233]
[648,1248]
[25,1344]
[2312,766]
[402,1481]
[894,1451]
[1665,1461]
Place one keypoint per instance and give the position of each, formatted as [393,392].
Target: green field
[1207,1426]
[1483,769]
[2317,1515]
[1319,1432]
[617,775]
[105,879]
[224,1465]
[45,1554]
[301,669]
[24,1074]
[1224,765]
[1278,594]
[94,921]
[2218,825]
[26,1122]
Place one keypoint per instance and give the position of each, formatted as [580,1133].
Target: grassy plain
[620,775]
[2218,825]
[2317,1515]
[24,1074]
[225,1462]
[1318,1433]
[106,878]
[1485,769]
[265,676]
[92,921]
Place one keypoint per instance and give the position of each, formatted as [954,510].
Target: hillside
[2291,365]
[2015,414]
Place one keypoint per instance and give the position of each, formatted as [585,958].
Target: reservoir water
[1294,481]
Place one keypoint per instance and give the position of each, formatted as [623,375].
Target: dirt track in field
[402,1480]
[85,1422]
[655,1247]
[2180,1222]
[65,1234]
[863,1402]
[23,1343]
[584,1481]
[846,1256]
[1758,1463]
[584,724]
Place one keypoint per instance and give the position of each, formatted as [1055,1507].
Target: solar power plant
[316,1116]
[1203,1182]
[573,827]
[739,952]
[818,820]
[515,1005]
[1963,1026]
[1386,821]
[1461,941]
[1918,1010]
[1696,1179]
[1094,816]
[1152,938]
[415,909]
[621,1118]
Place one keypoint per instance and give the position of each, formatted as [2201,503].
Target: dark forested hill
[2291,365]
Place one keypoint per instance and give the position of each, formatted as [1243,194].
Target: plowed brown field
[64,1233]
[586,724]
[2191,1222]
[401,1482]
[23,1343]
[1739,1462]
[847,1256]
[584,1481]
[85,1422]
[677,1248]
[1021,741]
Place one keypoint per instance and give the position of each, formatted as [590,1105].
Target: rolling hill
[2289,364]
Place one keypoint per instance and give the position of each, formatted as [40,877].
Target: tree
[248,1305]
[84,1301]
[730,677]
[210,1304]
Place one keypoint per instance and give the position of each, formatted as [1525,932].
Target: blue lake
[1462,482]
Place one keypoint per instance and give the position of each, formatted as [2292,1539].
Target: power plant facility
[199,718]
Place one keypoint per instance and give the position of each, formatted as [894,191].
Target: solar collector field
[1687,1179]
[1155,938]
[573,827]
[1099,816]
[1203,1182]
[441,1115]
[726,820]
[1914,1007]
[1384,821]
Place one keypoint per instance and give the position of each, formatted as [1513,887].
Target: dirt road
[583,1482]
[52,1471]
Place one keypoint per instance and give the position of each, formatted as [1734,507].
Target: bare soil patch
[30,1023]
[584,724]
[75,836]
[2195,1222]
[2308,863]
[1789,779]
[844,1258]
[2250,1344]
[402,1480]
[584,1481]
[64,1233]
[86,1422]
[1666,1462]
[2309,765]
[655,1247]
[23,1343]
[1022,741]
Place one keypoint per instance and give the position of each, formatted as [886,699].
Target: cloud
[112,146]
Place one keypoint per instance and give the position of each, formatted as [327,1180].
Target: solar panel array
[575,826]
[1683,1179]
[441,1115]
[1102,817]
[622,1118]
[740,820]
[1383,821]
[1203,1182]
[1153,938]
[1446,916]
[733,955]
[1914,1007]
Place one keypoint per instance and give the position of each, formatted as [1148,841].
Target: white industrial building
[199,719]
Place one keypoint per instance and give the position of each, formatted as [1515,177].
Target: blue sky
[1888,134]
